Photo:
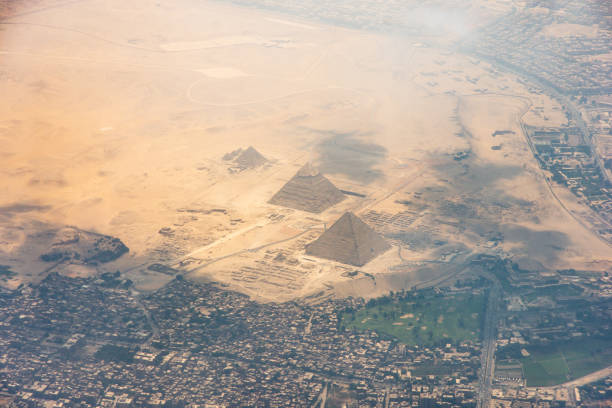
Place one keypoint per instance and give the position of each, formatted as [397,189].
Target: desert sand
[120,127]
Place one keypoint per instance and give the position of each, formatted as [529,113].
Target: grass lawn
[566,361]
[545,369]
[430,320]
[588,356]
[553,291]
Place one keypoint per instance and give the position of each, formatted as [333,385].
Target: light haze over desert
[116,115]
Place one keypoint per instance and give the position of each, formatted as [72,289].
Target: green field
[508,368]
[566,361]
[422,320]
[553,291]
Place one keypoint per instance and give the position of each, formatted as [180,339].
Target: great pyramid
[308,191]
[350,241]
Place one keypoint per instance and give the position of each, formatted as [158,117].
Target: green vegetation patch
[421,319]
[538,376]
[561,362]
[546,369]
[111,352]
[554,291]
[438,369]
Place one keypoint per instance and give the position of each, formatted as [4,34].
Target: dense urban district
[95,342]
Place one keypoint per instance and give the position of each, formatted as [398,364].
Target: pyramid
[308,191]
[349,241]
[231,155]
[250,158]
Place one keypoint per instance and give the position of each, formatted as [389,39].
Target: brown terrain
[135,135]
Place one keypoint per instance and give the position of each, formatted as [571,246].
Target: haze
[116,116]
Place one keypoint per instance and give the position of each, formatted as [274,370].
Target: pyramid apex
[350,216]
[308,170]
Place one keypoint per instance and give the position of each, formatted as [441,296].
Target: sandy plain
[116,115]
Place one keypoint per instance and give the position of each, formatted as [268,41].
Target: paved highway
[570,108]
[488,346]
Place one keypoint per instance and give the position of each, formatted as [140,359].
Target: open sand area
[121,129]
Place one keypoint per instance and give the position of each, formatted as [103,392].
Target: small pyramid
[349,241]
[250,158]
[231,155]
[308,191]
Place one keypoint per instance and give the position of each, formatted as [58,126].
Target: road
[254,249]
[574,115]
[559,201]
[439,280]
[221,240]
[324,396]
[488,346]
[577,117]
[321,401]
[308,325]
[154,328]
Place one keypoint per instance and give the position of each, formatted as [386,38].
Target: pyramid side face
[336,244]
[232,155]
[369,243]
[308,193]
[250,158]
[349,241]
